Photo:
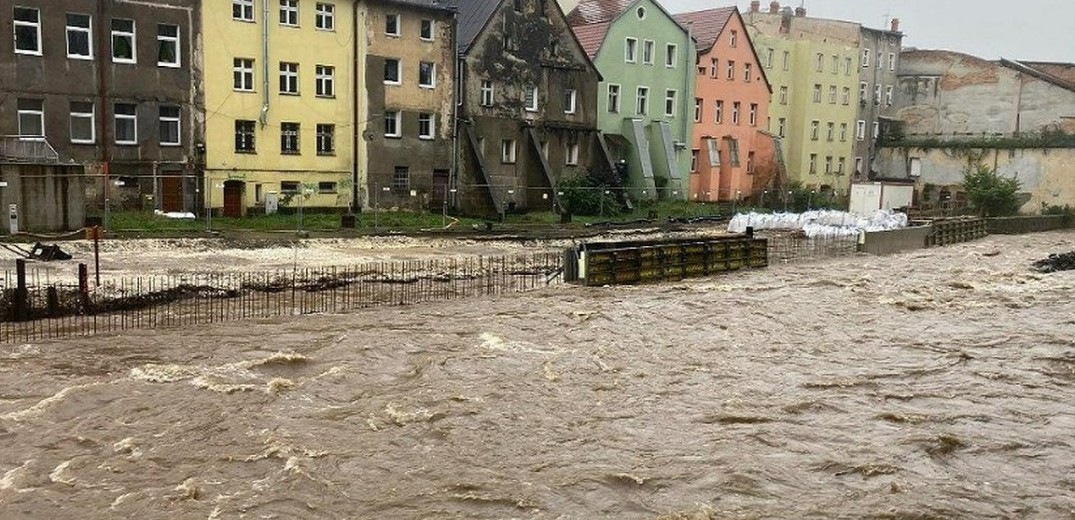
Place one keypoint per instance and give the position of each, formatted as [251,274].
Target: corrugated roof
[595,11]
[473,15]
[707,24]
[591,37]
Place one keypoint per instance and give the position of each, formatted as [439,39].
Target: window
[487,93]
[847,66]
[813,164]
[391,71]
[326,139]
[731,69]
[769,58]
[427,74]
[401,179]
[892,61]
[289,138]
[888,95]
[170,125]
[647,52]
[819,64]
[79,38]
[830,135]
[244,136]
[817,93]
[783,95]
[714,65]
[325,82]
[289,78]
[747,72]
[835,64]
[858,164]
[735,113]
[876,129]
[530,98]
[570,101]
[571,154]
[325,17]
[843,132]
[832,94]
[840,166]
[694,160]
[243,69]
[83,122]
[880,60]
[814,126]
[31,117]
[507,151]
[670,103]
[289,12]
[126,123]
[630,50]
[846,97]
[167,45]
[641,99]
[123,41]
[718,111]
[391,24]
[289,186]
[27,31]
[425,126]
[733,40]
[782,127]
[671,55]
[518,6]
[750,162]
[697,110]
[877,94]
[828,165]
[860,130]
[391,124]
[613,98]
[864,88]
[242,10]
[425,31]
[733,152]
[326,187]
[753,114]
[787,59]
[866,58]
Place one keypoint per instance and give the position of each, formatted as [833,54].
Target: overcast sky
[1042,30]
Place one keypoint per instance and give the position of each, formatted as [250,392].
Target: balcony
[20,148]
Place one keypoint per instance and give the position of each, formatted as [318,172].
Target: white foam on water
[8,480]
[44,404]
[58,474]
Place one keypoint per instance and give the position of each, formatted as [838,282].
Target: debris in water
[1056,262]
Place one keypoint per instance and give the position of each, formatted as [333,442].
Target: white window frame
[487,91]
[843,132]
[614,98]
[891,61]
[864,92]
[671,100]
[289,13]
[846,98]
[530,98]
[813,164]
[694,160]
[36,24]
[87,30]
[429,119]
[876,129]
[289,78]
[38,113]
[835,64]
[177,121]
[736,106]
[753,114]
[91,115]
[432,83]
[649,48]
[641,101]
[718,111]
[783,95]
[748,72]
[865,58]
[877,94]
[671,55]
[832,94]
[630,50]
[830,131]
[399,71]
[840,165]
[432,30]
[325,16]
[828,165]
[817,93]
[820,65]
[698,109]
[507,151]
[399,23]
[860,129]
[815,130]
[731,70]
[243,70]
[325,81]
[163,39]
[246,10]
[733,40]
[571,154]
[133,119]
[397,123]
[782,126]
[888,95]
[132,36]
[571,98]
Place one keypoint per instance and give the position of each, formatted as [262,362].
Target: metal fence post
[22,310]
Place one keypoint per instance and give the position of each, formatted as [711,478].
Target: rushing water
[936,384]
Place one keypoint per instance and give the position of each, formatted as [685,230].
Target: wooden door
[233,199]
[172,193]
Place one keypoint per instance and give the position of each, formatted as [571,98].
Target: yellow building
[279,112]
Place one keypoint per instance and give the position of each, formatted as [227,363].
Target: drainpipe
[356,134]
[102,100]
[457,107]
[264,118]
[688,101]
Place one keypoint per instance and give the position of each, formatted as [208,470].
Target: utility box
[13,218]
[272,203]
[868,197]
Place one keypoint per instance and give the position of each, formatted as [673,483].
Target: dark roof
[591,37]
[473,15]
[707,25]
[594,11]
[1062,71]
[440,5]
[1041,73]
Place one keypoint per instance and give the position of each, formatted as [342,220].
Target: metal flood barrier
[650,261]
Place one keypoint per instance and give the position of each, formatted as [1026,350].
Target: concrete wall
[895,241]
[49,198]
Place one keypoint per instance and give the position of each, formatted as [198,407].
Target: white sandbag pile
[819,223]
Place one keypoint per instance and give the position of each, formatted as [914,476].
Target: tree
[991,194]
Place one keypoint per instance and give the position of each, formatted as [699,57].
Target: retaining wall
[1034,224]
[895,240]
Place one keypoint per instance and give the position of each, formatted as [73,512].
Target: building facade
[111,86]
[646,61]
[404,138]
[876,95]
[527,106]
[730,108]
[279,95]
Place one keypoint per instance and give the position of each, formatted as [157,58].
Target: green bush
[585,195]
[989,193]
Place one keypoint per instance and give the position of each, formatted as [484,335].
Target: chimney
[774,8]
[800,12]
[755,6]
[895,25]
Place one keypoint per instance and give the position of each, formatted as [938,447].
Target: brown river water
[934,384]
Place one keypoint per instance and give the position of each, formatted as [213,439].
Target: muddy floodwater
[934,384]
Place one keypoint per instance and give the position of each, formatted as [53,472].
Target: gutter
[264,117]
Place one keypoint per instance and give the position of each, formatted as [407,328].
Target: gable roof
[473,15]
[591,37]
[707,25]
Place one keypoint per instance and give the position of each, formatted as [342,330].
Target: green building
[645,101]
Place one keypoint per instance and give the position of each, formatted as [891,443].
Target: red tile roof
[591,36]
[707,25]
[594,11]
